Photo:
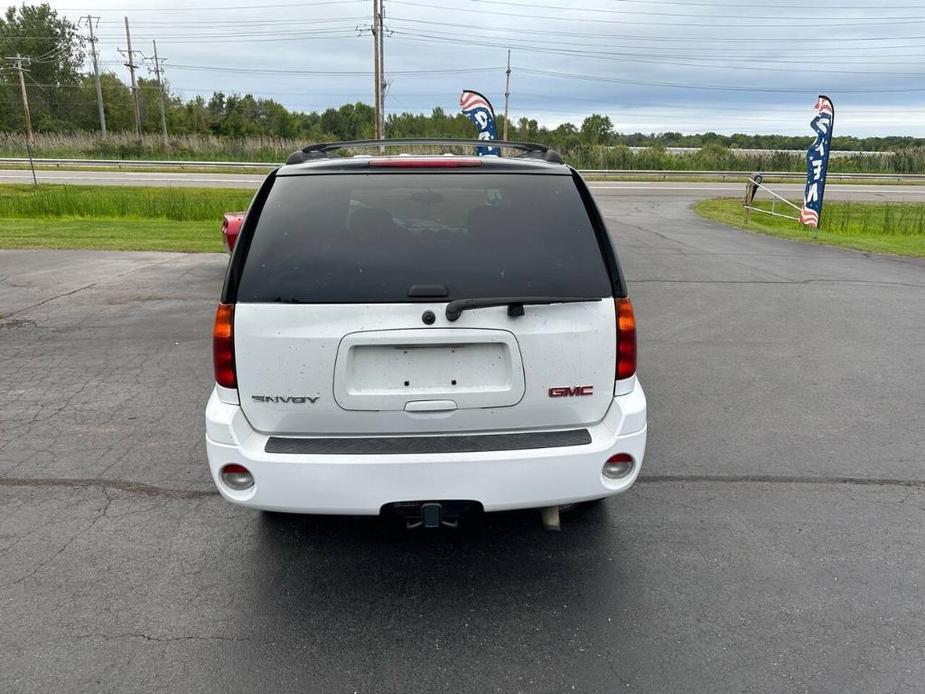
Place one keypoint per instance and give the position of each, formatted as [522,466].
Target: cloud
[688,66]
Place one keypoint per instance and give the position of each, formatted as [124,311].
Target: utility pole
[376,69]
[507,91]
[96,72]
[131,68]
[160,94]
[382,83]
[18,62]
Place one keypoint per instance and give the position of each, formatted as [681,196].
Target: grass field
[179,204]
[893,227]
[97,217]
[110,234]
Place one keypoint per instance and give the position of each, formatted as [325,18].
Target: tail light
[424,163]
[223,346]
[626,339]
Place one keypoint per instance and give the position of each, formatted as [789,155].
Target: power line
[629,57]
[710,87]
[214,8]
[675,39]
[295,23]
[96,72]
[375,30]
[860,23]
[157,69]
[383,86]
[331,73]
[753,44]
[624,11]
[19,64]
[818,6]
[130,55]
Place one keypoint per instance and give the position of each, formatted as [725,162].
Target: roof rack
[324,150]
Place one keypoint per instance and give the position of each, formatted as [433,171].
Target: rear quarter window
[370,237]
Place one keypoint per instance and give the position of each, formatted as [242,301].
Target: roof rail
[327,149]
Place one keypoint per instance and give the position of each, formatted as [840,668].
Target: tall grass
[873,218]
[84,145]
[894,227]
[265,149]
[178,204]
[847,218]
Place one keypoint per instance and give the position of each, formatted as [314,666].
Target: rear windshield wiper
[515,304]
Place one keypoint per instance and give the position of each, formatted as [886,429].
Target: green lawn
[879,227]
[180,204]
[129,218]
[111,234]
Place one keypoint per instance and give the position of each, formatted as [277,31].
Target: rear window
[368,238]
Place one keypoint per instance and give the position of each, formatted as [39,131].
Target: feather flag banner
[478,110]
[817,162]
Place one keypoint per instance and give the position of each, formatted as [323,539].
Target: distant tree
[596,130]
[55,51]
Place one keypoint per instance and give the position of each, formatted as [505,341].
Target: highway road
[774,544]
[834,191]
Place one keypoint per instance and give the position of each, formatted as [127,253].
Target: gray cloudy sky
[688,65]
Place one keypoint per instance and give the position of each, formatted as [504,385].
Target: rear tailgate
[331,335]
[310,369]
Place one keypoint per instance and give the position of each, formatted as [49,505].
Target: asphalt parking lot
[775,544]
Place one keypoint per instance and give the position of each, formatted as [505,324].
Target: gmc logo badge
[570,392]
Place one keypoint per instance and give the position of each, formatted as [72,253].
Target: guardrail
[622,173]
[740,175]
[141,163]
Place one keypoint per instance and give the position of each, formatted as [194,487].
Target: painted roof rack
[325,150]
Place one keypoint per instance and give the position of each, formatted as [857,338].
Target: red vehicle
[231,225]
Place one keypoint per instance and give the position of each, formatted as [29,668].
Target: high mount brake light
[223,346]
[626,339]
[423,163]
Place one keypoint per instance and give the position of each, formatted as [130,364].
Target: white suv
[423,334]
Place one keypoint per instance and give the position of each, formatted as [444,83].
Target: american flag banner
[478,110]
[817,162]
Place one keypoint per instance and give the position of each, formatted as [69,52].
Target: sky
[685,66]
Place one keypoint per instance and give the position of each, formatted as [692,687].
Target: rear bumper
[362,484]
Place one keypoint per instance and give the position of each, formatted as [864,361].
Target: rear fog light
[237,477]
[618,466]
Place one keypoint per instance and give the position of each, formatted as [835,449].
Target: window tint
[368,238]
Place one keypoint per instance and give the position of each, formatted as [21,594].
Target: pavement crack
[142,489]
[783,479]
[807,281]
[41,565]
[128,486]
[88,286]
[160,639]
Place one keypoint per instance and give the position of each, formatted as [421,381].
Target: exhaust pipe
[550,516]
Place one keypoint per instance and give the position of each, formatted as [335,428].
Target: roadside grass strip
[111,234]
[178,204]
[878,227]
[123,218]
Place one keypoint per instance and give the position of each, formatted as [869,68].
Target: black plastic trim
[243,243]
[398,445]
[398,141]
[603,237]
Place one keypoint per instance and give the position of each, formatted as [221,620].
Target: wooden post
[160,97]
[748,202]
[131,68]
[25,100]
[507,92]
[377,93]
